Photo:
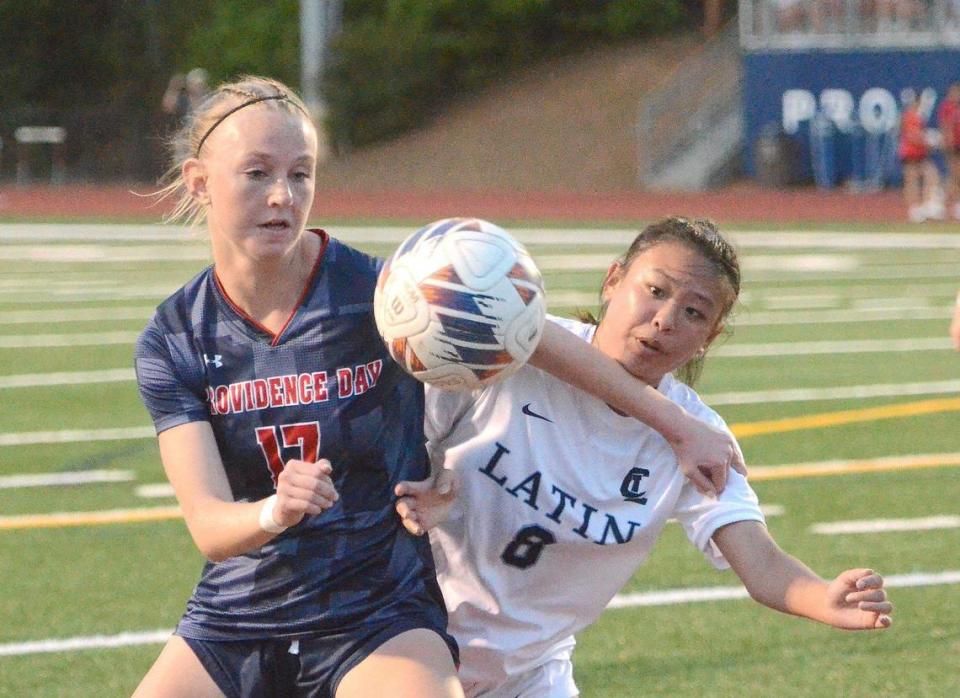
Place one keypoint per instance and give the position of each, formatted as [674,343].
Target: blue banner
[842,108]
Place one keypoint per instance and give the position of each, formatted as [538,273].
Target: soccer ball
[460,304]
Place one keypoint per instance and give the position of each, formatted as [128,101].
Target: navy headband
[238,108]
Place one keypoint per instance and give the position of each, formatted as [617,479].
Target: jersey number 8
[525,548]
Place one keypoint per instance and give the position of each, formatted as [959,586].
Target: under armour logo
[216,361]
[630,489]
[530,413]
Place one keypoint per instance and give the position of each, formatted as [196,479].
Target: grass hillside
[565,124]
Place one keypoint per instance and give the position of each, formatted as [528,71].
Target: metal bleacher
[848,24]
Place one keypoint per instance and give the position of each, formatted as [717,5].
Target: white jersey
[562,500]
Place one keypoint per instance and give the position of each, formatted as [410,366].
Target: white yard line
[856,346]
[744,397]
[572,299]
[839,300]
[820,317]
[44,282]
[839,263]
[791,239]
[800,263]
[853,346]
[749,315]
[854,466]
[90,642]
[114,293]
[748,397]
[666,597]
[33,380]
[31,438]
[94,254]
[85,477]
[73,339]
[669,597]
[944,290]
[46,317]
[774,239]
[784,239]
[886,273]
[68,519]
[156,490]
[927,523]
[83,232]
[800,302]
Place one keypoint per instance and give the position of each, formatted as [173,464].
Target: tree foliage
[100,67]
[397,61]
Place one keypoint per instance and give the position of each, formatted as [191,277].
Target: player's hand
[303,488]
[858,601]
[425,504]
[704,453]
[955,326]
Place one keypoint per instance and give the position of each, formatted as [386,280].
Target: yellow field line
[829,419]
[89,518]
[757,473]
[814,421]
[846,467]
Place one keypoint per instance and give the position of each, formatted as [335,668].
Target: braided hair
[186,142]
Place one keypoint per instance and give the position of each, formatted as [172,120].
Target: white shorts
[551,680]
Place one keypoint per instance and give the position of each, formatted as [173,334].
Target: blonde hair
[186,140]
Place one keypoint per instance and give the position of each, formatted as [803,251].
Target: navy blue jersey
[323,387]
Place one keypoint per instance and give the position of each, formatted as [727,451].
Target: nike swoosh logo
[530,413]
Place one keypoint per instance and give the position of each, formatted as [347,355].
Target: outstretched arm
[425,504]
[855,600]
[703,452]
[955,325]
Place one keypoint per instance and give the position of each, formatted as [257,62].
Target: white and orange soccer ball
[460,304]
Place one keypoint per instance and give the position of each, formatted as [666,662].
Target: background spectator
[921,180]
[184,93]
[948,120]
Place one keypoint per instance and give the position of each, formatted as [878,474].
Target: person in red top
[921,180]
[948,119]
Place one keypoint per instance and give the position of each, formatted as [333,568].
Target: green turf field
[841,336]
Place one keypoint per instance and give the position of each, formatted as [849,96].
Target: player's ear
[614,274]
[194,174]
[712,336]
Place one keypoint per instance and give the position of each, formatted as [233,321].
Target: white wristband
[267,522]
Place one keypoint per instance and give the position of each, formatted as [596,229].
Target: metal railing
[701,92]
[854,24]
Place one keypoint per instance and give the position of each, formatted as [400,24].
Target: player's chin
[644,367]
[272,235]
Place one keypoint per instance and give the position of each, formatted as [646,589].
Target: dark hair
[700,235]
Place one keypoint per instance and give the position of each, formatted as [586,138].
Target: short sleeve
[701,516]
[168,400]
[443,411]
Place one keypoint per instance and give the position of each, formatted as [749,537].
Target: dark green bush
[247,37]
[396,62]
[99,67]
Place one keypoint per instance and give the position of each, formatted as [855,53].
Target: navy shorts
[310,667]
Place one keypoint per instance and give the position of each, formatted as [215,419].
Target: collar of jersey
[275,337]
